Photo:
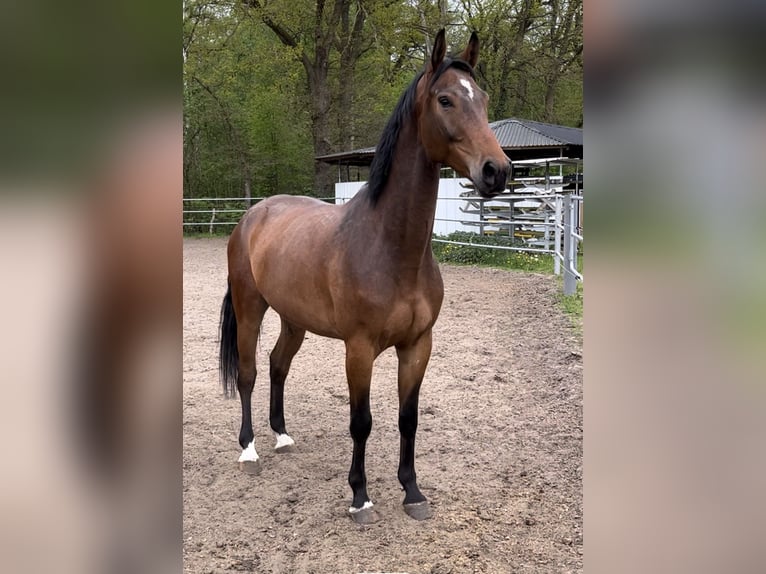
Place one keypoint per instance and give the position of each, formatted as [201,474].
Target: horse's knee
[361,424]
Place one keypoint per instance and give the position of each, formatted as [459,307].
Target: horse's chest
[409,317]
[392,305]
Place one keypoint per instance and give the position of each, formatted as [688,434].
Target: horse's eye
[444,101]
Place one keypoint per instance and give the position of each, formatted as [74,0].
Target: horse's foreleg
[413,360]
[289,342]
[359,359]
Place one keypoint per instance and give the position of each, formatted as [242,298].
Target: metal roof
[362,156]
[511,133]
[514,133]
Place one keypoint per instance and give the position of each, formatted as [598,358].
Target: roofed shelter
[520,140]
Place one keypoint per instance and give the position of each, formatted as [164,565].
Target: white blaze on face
[467,85]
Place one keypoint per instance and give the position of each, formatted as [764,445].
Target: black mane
[384,151]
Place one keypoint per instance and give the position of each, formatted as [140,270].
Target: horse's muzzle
[493,178]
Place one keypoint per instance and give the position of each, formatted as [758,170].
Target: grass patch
[504,259]
[196,232]
[573,306]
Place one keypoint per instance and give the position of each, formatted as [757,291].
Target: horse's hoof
[365,516]
[285,443]
[250,466]
[419,510]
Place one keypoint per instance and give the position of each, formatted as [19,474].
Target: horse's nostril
[489,170]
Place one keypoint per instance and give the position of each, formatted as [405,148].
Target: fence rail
[564,224]
[215,211]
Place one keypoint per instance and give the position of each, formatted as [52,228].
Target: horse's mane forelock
[384,151]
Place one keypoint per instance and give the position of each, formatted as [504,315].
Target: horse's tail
[228,365]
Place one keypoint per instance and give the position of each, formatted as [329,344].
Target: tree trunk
[550,99]
[324,30]
[320,124]
[247,191]
[350,48]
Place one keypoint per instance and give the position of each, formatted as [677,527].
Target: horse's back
[282,219]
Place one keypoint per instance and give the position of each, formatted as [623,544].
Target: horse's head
[453,119]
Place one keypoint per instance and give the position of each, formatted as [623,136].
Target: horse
[362,271]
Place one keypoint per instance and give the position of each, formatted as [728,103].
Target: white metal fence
[201,212]
[556,231]
[569,210]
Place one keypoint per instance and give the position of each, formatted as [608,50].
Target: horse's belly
[313,320]
[298,303]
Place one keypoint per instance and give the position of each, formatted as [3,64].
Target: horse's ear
[438,51]
[471,52]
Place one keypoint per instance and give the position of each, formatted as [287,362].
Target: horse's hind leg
[250,314]
[289,342]
[413,360]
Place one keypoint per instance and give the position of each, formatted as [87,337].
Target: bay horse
[363,271]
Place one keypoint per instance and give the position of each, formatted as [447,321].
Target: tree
[244,124]
[562,47]
[270,84]
[531,56]
[319,28]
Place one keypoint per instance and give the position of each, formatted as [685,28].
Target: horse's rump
[288,245]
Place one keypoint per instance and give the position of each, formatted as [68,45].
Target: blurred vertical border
[90,295]
[675,310]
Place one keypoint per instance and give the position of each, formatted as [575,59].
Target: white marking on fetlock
[249,454]
[365,506]
[283,440]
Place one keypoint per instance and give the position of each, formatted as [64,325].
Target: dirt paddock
[499,447]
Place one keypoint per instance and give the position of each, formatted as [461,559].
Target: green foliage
[245,115]
[573,305]
[469,255]
[516,260]
[531,57]
[251,116]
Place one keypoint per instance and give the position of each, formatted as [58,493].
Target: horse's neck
[407,205]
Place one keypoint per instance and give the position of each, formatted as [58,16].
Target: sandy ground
[499,447]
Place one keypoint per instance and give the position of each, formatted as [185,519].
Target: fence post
[481,217]
[511,227]
[557,220]
[570,281]
[212,219]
